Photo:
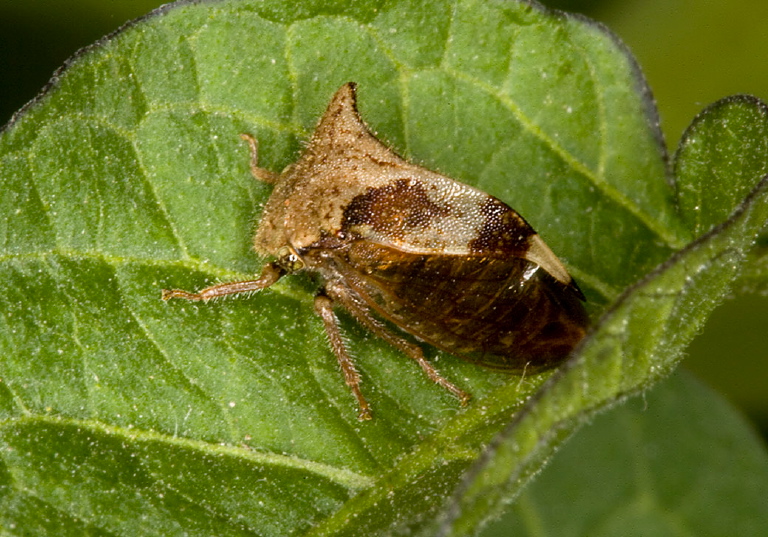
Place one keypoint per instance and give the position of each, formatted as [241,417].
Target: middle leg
[343,296]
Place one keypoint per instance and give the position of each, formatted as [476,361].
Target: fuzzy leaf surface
[230,418]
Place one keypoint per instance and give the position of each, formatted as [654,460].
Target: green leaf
[754,278]
[661,465]
[718,163]
[128,176]
[637,341]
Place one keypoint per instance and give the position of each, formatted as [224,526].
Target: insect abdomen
[501,313]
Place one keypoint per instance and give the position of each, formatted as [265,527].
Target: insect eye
[289,260]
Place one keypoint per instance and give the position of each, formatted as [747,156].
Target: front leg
[269,275]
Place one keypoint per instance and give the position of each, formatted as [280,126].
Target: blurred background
[693,52]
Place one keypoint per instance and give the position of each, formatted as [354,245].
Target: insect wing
[501,313]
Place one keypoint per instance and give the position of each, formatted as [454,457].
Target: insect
[396,244]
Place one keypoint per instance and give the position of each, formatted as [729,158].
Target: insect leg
[324,308]
[361,312]
[269,275]
[261,174]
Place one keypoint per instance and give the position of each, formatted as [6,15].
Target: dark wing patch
[394,210]
[503,230]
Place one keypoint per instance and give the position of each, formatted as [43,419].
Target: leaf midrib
[346,478]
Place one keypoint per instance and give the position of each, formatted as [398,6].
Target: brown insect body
[441,260]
